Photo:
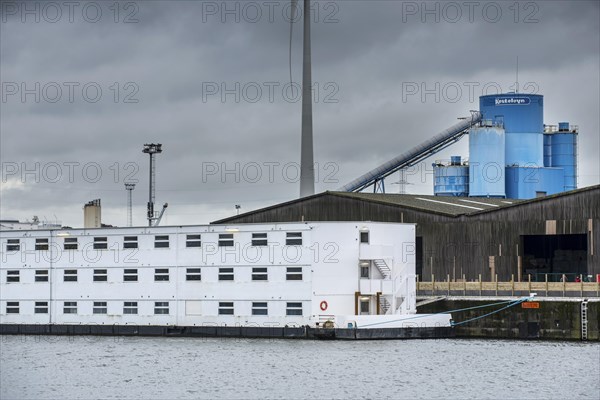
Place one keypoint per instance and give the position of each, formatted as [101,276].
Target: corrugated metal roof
[447,206]
[451,206]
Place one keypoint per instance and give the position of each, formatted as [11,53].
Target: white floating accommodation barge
[346,280]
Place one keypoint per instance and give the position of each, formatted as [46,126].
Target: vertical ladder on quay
[584,320]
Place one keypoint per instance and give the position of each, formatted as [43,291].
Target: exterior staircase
[384,305]
[383,268]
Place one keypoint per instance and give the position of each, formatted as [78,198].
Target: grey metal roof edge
[538,199]
[351,195]
[345,195]
[271,207]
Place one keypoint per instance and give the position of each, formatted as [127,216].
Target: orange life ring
[323,305]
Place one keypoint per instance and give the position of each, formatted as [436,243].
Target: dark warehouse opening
[554,255]
[419,257]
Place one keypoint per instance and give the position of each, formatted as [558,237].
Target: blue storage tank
[522,116]
[531,182]
[487,161]
[547,149]
[451,180]
[564,153]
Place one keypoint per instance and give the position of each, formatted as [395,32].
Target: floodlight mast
[129,187]
[152,149]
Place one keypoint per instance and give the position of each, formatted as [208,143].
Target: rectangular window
[259,274]
[293,309]
[364,270]
[13,245]
[130,275]
[41,275]
[193,274]
[70,307]
[364,307]
[99,307]
[364,237]
[41,307]
[259,239]
[100,275]
[293,239]
[161,274]
[130,242]
[226,308]
[13,276]
[225,239]
[12,307]
[193,241]
[41,244]
[70,275]
[101,243]
[70,243]
[161,242]
[260,308]
[293,274]
[161,307]
[225,274]
[130,307]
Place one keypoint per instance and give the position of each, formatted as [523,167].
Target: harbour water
[46,367]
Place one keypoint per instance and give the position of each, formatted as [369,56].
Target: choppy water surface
[160,368]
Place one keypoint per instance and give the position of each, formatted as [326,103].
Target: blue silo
[547,149]
[564,153]
[487,160]
[522,116]
[452,179]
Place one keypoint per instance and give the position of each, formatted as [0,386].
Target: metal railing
[554,129]
[559,277]
[547,288]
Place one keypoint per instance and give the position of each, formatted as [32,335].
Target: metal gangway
[415,155]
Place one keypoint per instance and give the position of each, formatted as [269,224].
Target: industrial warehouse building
[456,236]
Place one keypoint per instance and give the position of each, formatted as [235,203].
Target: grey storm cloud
[162,66]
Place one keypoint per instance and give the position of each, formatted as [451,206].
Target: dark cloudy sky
[210,81]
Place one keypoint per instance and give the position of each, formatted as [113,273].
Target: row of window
[160,308]
[160,241]
[160,274]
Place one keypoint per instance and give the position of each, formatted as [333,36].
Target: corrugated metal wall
[486,243]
